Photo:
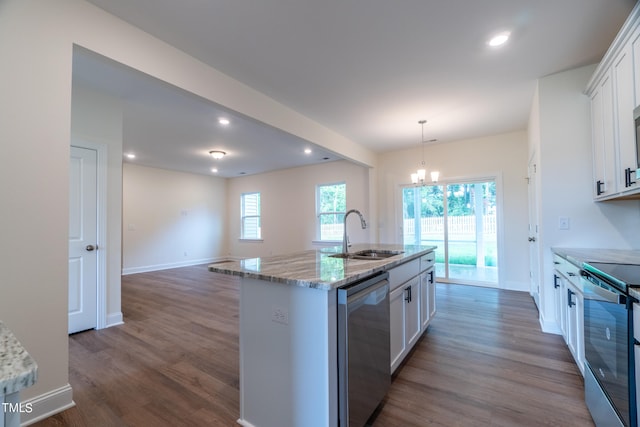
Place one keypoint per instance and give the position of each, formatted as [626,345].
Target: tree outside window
[331,206]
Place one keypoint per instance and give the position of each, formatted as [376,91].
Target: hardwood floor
[482,362]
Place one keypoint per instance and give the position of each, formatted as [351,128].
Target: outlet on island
[280,315]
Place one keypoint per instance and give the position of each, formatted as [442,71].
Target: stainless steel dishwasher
[364,373]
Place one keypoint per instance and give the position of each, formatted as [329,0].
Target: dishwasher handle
[356,287]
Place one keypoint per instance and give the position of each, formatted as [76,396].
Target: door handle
[90,248]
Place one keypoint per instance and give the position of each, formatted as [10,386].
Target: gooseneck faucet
[345,239]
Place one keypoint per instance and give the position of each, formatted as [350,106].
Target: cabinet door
[397,330]
[424,300]
[412,311]
[624,123]
[603,139]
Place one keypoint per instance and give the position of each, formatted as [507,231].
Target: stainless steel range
[610,382]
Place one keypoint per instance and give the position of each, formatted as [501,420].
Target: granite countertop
[316,268]
[579,256]
[18,370]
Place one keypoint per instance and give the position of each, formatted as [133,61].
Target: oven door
[606,341]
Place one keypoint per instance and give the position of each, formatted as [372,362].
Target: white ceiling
[369,70]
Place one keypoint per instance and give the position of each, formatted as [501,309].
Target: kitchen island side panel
[288,348]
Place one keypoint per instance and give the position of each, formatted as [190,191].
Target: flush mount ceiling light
[419,176]
[217,154]
[130,156]
[223,121]
[499,39]
[307,151]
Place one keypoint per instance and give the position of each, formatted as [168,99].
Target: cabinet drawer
[403,272]
[427,261]
[568,270]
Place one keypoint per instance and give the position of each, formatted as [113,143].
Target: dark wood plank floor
[483,362]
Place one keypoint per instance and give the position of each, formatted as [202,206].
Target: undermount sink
[370,254]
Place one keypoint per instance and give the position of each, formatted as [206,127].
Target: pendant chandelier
[419,176]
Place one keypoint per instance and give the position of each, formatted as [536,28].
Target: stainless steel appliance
[610,385]
[363,349]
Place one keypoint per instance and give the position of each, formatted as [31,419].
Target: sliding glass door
[460,218]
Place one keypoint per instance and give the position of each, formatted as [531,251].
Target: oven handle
[596,289]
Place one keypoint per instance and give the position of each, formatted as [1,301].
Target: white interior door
[83,236]
[534,287]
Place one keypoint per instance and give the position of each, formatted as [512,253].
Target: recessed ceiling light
[214,170]
[499,39]
[130,156]
[307,151]
[223,121]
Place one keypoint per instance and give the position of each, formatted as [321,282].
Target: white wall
[288,207]
[565,180]
[97,119]
[36,45]
[503,156]
[171,219]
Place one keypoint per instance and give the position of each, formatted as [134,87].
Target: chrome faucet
[345,239]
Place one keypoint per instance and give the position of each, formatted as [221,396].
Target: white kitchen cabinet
[575,324]
[570,307]
[614,91]
[411,304]
[626,162]
[404,312]
[603,141]
[427,297]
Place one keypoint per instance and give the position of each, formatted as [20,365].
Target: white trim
[48,404]
[244,423]
[102,221]
[114,319]
[240,239]
[158,267]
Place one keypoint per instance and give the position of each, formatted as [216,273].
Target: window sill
[326,242]
[250,240]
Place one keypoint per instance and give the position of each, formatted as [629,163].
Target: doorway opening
[460,218]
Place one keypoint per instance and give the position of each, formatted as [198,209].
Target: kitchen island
[288,329]
[18,370]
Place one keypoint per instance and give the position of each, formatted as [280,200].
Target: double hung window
[250,228]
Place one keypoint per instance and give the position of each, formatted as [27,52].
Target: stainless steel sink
[370,254]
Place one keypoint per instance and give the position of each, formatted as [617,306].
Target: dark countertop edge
[386,265]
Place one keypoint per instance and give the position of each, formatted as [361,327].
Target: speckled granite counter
[579,256]
[18,370]
[316,268]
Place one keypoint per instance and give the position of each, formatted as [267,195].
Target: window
[250,216]
[331,205]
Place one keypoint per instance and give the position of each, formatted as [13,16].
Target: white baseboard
[48,404]
[158,267]
[114,319]
[244,423]
[513,285]
[549,327]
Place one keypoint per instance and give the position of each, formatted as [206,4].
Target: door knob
[90,248]
[532,239]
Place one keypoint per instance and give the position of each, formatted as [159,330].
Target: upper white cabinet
[614,91]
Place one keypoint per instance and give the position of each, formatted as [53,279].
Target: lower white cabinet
[575,325]
[427,297]
[412,304]
[570,307]
[404,313]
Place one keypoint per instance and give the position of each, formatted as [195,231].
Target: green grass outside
[464,253]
